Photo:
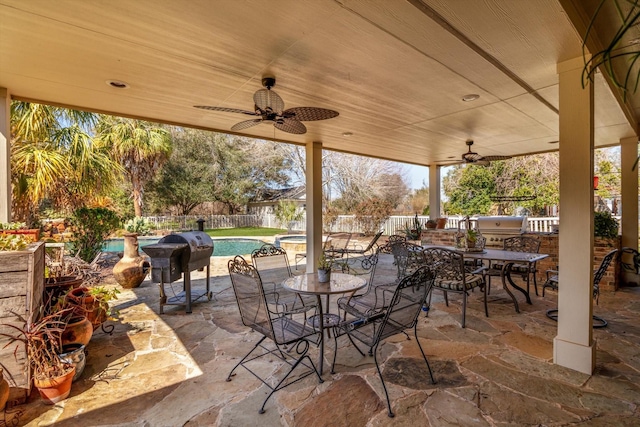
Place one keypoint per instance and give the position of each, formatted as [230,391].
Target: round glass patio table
[308,284]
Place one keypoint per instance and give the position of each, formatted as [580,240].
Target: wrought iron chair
[369,301]
[272,264]
[406,302]
[281,329]
[517,244]
[407,257]
[552,282]
[452,276]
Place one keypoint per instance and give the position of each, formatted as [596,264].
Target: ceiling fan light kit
[269,107]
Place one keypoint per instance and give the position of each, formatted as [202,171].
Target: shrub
[138,225]
[372,213]
[93,226]
[604,225]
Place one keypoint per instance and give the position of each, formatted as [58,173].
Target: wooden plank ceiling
[395,70]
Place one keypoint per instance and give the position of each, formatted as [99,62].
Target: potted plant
[432,224]
[414,232]
[42,339]
[324,268]
[94,302]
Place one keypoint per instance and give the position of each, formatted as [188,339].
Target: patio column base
[581,358]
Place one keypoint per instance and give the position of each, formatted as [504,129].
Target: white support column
[434,191]
[574,346]
[5,155]
[314,203]
[629,192]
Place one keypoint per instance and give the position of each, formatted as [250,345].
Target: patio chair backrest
[597,276]
[448,265]
[272,263]
[405,306]
[521,244]
[252,304]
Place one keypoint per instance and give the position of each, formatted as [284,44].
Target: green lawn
[244,231]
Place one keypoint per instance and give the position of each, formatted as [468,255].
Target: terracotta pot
[4,391]
[97,316]
[441,223]
[55,287]
[131,270]
[53,390]
[78,331]
[73,354]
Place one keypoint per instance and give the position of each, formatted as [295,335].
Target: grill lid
[502,224]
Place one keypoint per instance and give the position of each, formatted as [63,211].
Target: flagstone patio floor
[170,370]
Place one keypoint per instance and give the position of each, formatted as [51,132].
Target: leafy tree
[140,147]
[287,213]
[242,166]
[185,180]
[469,189]
[53,156]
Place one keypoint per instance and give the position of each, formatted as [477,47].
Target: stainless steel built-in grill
[176,256]
[496,228]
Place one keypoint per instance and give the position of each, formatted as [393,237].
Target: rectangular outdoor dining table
[308,284]
[508,258]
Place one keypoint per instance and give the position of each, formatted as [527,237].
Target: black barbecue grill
[176,256]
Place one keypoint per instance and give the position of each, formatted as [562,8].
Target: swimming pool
[221,247]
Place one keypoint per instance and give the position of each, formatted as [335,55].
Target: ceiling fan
[474,158]
[269,107]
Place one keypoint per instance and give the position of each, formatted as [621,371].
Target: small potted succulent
[324,268]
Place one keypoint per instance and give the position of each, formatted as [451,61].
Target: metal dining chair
[272,264]
[453,276]
[552,282]
[281,329]
[405,304]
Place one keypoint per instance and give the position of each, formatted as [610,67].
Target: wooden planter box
[32,234]
[21,289]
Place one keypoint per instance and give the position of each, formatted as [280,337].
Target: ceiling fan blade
[308,114]
[492,158]
[483,162]
[227,110]
[246,124]
[290,125]
[471,157]
[268,99]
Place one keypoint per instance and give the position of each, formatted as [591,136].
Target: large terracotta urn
[131,270]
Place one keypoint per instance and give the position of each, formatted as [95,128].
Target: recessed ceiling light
[470,97]
[117,84]
[347,134]
[553,142]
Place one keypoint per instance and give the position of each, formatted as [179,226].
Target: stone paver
[171,370]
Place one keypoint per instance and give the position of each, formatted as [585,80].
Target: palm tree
[53,156]
[140,147]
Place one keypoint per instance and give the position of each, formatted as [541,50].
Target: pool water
[221,247]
